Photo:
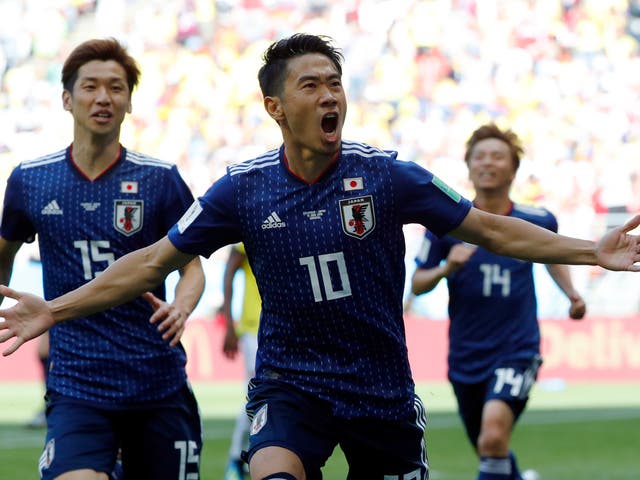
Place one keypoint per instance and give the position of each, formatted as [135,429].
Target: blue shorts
[157,440]
[374,448]
[511,382]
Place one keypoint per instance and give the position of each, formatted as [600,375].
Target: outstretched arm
[126,279]
[513,237]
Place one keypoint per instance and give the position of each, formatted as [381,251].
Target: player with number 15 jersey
[83,226]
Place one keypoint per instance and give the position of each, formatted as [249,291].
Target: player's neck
[500,204]
[93,158]
[308,167]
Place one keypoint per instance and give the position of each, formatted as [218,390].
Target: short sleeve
[210,223]
[425,199]
[16,224]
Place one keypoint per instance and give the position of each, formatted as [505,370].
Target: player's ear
[66,100]
[274,108]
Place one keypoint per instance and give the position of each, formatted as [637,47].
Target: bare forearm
[126,279]
[562,277]
[425,280]
[541,246]
[234,263]
[190,286]
[516,238]
[227,295]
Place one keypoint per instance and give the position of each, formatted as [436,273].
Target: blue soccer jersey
[117,356]
[329,262]
[492,303]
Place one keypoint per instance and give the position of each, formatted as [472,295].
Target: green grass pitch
[574,432]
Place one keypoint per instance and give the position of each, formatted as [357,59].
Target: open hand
[27,319]
[619,251]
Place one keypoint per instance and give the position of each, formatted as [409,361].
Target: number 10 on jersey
[322,284]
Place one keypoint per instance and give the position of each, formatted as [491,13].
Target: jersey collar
[121,152]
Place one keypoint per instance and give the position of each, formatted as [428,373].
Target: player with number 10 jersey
[332,322]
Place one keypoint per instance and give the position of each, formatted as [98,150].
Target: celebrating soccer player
[322,224]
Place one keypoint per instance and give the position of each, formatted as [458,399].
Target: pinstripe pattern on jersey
[320,288]
[117,356]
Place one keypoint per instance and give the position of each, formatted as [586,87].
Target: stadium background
[420,76]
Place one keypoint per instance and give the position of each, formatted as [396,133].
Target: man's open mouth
[330,122]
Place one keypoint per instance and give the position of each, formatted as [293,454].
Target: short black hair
[273,72]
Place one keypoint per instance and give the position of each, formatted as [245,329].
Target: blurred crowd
[420,76]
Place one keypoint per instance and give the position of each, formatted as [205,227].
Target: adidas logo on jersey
[273,221]
[52,208]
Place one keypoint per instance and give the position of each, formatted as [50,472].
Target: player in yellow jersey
[241,335]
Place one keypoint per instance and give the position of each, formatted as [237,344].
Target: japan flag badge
[128,187]
[352,184]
